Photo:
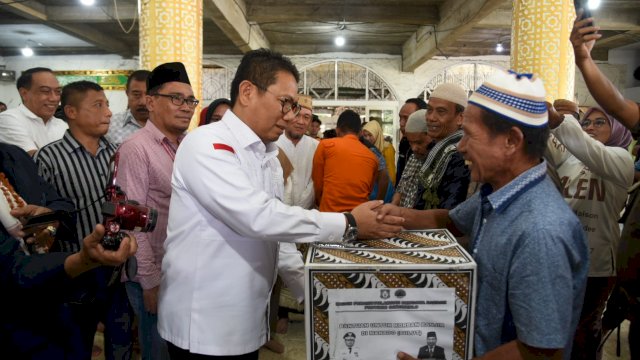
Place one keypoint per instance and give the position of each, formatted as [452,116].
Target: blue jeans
[152,345]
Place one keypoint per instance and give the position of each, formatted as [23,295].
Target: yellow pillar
[171,30]
[540,44]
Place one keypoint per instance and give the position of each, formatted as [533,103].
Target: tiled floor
[610,345]
[294,342]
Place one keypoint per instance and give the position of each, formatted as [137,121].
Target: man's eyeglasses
[287,103]
[178,100]
[597,123]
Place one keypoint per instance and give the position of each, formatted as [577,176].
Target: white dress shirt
[221,252]
[19,126]
[301,156]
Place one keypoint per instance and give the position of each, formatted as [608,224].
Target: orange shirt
[344,172]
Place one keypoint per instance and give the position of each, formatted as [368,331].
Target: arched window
[470,76]
[343,80]
[216,82]
[338,83]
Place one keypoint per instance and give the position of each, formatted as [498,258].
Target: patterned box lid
[426,247]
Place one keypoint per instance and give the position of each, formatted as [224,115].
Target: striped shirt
[79,176]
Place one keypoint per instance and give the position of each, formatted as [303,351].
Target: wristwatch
[351,231]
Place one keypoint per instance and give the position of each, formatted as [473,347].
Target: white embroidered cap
[518,97]
[451,92]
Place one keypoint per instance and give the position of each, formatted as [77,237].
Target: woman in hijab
[595,171]
[214,111]
[373,133]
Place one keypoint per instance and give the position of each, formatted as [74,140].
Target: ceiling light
[499,48]
[593,4]
[339,40]
[88,2]
[27,51]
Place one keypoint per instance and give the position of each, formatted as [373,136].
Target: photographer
[36,323]
[583,38]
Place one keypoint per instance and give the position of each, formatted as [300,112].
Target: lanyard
[166,145]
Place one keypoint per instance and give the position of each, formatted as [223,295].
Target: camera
[119,213]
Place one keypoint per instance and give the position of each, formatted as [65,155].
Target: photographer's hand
[93,254]
[39,236]
[583,37]
[29,210]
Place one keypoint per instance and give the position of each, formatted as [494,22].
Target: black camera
[121,214]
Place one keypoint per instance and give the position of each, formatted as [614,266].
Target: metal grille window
[216,82]
[342,80]
[469,76]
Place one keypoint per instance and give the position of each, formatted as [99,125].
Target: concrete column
[171,30]
[540,44]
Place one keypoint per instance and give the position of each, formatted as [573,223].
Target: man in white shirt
[226,219]
[125,123]
[32,125]
[300,148]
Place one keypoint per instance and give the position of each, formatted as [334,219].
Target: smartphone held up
[586,13]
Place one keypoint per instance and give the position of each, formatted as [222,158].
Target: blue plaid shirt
[122,125]
[533,261]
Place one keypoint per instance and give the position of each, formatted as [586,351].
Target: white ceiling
[37,35]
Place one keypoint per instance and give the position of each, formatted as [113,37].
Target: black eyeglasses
[178,100]
[597,123]
[287,103]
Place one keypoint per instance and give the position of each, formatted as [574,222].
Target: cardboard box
[420,264]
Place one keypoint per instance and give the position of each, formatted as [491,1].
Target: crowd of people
[238,194]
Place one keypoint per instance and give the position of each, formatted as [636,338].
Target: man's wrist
[351,227]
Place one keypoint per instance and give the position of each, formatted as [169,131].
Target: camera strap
[130,268]
[116,273]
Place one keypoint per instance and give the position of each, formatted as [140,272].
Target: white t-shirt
[19,126]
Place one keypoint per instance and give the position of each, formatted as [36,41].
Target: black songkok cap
[168,72]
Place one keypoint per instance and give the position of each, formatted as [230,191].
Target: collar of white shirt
[246,137]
